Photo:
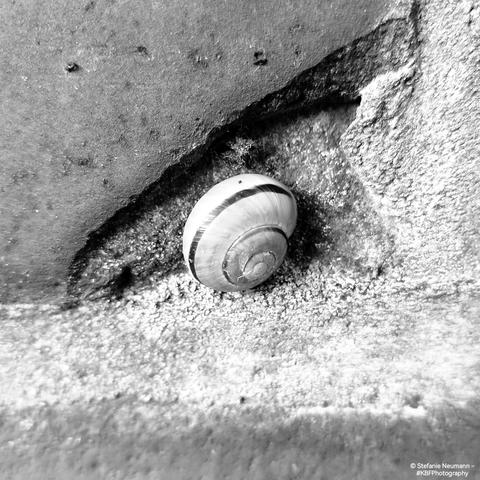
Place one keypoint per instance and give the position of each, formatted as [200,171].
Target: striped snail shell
[236,235]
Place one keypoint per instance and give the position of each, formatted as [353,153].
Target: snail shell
[236,235]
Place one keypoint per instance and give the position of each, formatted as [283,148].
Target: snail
[236,235]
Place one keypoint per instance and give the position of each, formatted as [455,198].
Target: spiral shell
[236,235]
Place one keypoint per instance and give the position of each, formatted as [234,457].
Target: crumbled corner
[142,243]
[336,224]
[384,102]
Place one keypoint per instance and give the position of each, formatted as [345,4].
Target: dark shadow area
[310,231]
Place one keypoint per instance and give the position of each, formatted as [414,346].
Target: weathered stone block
[100,97]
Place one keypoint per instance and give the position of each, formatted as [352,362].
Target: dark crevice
[100,270]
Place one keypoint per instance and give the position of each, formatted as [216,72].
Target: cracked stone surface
[99,97]
[357,359]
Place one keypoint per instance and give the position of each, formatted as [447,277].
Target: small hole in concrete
[71,67]
[142,50]
[260,58]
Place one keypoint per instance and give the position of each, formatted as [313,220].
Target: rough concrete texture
[99,97]
[415,147]
[359,358]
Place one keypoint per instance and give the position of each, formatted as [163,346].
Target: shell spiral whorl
[236,235]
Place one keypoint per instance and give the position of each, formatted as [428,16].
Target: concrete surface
[240,390]
[99,97]
[358,359]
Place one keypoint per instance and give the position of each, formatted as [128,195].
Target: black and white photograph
[239,239]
